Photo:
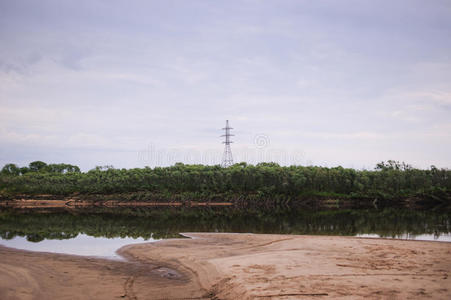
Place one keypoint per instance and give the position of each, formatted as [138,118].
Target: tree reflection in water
[169,222]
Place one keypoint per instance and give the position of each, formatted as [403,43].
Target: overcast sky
[136,83]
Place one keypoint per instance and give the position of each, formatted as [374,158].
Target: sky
[151,83]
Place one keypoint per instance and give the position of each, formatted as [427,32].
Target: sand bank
[237,266]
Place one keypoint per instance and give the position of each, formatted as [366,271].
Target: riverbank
[237,266]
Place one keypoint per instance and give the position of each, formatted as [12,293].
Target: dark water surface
[101,231]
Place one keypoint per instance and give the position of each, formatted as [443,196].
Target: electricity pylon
[227,159]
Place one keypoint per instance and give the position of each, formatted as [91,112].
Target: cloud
[343,81]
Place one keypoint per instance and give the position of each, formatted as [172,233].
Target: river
[100,232]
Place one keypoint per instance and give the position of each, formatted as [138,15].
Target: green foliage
[11,170]
[61,168]
[393,165]
[391,180]
[37,166]
[24,170]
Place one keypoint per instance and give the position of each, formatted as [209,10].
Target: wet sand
[237,266]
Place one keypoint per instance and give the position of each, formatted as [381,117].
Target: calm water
[82,244]
[101,232]
[420,237]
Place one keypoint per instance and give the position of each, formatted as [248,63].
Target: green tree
[10,169]
[37,166]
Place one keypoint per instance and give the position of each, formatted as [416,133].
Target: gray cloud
[349,83]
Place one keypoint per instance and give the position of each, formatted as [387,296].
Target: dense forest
[241,183]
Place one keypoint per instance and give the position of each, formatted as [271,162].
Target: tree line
[389,180]
[38,166]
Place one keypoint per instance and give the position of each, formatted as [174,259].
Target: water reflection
[80,244]
[421,237]
[167,223]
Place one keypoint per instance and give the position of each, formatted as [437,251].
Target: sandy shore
[237,266]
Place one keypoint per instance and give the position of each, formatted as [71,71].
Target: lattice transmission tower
[227,159]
